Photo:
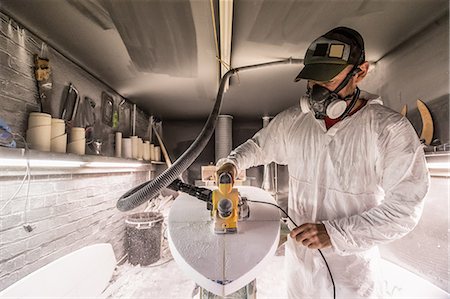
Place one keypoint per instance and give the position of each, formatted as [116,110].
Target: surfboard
[83,273]
[223,263]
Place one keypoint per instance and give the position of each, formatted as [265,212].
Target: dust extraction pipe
[141,193]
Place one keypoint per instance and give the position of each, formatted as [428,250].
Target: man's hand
[311,235]
[227,167]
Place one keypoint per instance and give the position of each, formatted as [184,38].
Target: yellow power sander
[225,203]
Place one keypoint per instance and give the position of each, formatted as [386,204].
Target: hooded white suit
[364,179]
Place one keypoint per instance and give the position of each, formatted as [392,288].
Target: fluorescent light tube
[40,163]
[112,164]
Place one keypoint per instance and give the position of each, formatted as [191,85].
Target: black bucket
[143,234]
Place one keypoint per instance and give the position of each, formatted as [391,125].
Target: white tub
[83,273]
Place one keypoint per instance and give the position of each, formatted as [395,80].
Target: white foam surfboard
[83,273]
[223,263]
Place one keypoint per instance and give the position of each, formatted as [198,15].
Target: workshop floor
[165,279]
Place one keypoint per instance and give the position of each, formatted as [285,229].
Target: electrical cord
[27,177]
[323,257]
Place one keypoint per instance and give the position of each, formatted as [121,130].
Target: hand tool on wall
[43,77]
[107,109]
[70,105]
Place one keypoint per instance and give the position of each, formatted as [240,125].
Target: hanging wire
[216,40]
[27,177]
[320,251]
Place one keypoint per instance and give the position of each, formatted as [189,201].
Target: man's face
[333,83]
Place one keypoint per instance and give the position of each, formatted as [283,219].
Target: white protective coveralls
[364,179]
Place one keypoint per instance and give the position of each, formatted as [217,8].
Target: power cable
[326,263]
[27,177]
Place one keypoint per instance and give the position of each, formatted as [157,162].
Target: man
[357,172]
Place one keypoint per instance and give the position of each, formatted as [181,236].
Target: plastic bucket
[143,235]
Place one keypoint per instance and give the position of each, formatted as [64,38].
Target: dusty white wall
[417,69]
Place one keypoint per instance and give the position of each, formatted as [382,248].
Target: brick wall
[67,211]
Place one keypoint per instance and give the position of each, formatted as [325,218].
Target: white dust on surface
[165,279]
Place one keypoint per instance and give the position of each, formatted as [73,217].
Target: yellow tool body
[225,206]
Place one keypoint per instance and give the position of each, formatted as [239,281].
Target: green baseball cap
[329,54]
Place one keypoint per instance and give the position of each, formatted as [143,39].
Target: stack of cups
[77,144]
[58,140]
[39,131]
[146,154]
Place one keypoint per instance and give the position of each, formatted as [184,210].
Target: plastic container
[143,237]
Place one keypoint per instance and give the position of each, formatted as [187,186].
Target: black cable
[326,264]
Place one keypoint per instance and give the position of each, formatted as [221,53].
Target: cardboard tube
[118,145]
[146,154]
[38,138]
[140,149]
[157,153]
[152,152]
[77,147]
[77,133]
[59,144]
[58,127]
[126,148]
[36,119]
[134,147]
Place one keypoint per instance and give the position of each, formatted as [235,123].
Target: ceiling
[161,54]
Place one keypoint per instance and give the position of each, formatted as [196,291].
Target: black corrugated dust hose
[148,190]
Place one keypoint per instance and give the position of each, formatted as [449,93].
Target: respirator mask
[324,102]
